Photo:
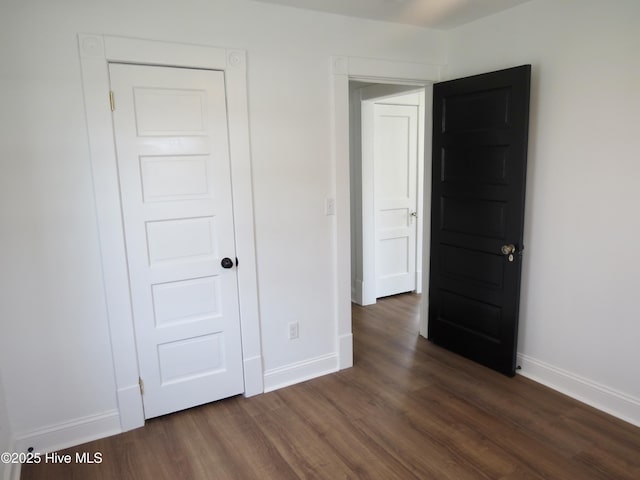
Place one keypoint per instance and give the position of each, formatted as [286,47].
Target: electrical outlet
[293,331]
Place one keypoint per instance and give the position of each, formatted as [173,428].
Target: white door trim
[377,71]
[368,204]
[96,52]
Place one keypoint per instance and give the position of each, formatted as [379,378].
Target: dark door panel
[480,133]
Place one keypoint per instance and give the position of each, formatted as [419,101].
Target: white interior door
[173,162]
[395,203]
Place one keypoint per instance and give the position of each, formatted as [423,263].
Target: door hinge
[112,101]
[141,385]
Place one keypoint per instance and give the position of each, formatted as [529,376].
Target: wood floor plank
[406,410]
[364,458]
[237,434]
[298,444]
[536,455]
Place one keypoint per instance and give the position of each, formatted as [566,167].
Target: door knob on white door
[226,262]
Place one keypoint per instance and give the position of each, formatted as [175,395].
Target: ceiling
[437,14]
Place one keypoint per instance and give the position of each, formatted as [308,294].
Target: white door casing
[395,203]
[377,71]
[96,53]
[173,161]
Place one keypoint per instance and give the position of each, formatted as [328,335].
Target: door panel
[480,133]
[173,162]
[395,186]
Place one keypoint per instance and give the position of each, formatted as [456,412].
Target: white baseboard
[69,434]
[65,435]
[345,351]
[253,378]
[6,469]
[5,444]
[300,372]
[583,389]
[12,471]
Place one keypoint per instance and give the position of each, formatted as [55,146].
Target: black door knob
[226,262]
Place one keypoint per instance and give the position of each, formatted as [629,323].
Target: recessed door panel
[393,172]
[394,253]
[186,300]
[168,178]
[473,216]
[481,269]
[470,316]
[181,239]
[182,360]
[479,110]
[486,164]
[170,112]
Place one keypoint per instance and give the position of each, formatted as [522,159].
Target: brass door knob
[508,249]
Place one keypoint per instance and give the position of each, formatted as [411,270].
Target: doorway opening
[345,69]
[386,165]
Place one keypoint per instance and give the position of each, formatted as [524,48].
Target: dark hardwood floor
[406,410]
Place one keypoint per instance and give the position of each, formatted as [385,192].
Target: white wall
[580,316]
[5,430]
[55,347]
